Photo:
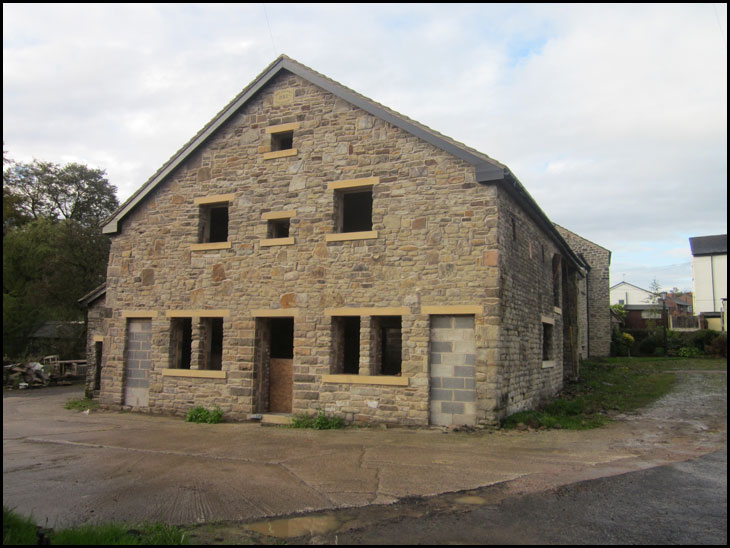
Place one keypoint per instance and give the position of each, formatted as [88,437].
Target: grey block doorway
[452,361]
[137,363]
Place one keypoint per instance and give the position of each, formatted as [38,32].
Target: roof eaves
[92,295]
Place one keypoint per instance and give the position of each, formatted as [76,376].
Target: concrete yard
[65,467]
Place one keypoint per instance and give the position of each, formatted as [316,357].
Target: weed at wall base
[318,422]
[202,415]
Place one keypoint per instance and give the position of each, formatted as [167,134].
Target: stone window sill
[347,236]
[210,246]
[548,364]
[276,241]
[280,154]
[366,379]
[194,373]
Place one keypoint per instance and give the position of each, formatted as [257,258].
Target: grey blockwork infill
[452,360]
[137,363]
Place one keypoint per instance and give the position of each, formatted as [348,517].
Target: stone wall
[597,295]
[523,378]
[96,314]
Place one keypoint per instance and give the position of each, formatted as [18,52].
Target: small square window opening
[214,224]
[356,211]
[282,141]
[278,228]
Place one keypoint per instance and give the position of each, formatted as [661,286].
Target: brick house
[311,249]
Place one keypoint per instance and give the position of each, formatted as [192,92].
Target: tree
[53,249]
[73,191]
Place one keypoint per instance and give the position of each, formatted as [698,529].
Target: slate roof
[708,245]
[92,295]
[487,169]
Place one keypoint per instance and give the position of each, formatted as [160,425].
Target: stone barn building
[310,249]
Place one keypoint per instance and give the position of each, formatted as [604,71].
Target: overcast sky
[614,117]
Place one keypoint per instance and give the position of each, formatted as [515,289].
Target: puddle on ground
[470,499]
[295,527]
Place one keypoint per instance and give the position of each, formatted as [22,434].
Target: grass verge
[20,530]
[81,404]
[610,386]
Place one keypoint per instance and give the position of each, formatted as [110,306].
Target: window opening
[281,340]
[282,141]
[214,224]
[213,328]
[547,342]
[278,228]
[181,342]
[347,344]
[356,211]
[389,345]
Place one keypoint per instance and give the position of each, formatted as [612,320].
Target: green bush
[201,414]
[703,338]
[621,343]
[649,345]
[690,352]
[718,347]
[320,421]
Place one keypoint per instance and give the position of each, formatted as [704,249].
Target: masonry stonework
[439,241]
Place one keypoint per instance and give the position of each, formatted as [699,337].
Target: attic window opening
[356,211]
[278,228]
[214,223]
[282,141]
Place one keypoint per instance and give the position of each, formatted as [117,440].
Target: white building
[627,294]
[709,275]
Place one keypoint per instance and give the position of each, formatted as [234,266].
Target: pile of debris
[26,375]
[35,374]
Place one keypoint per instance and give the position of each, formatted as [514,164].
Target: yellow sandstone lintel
[139,313]
[353,183]
[273,215]
[198,313]
[368,311]
[452,309]
[280,128]
[215,199]
[275,313]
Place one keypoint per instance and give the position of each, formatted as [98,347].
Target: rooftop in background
[708,245]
